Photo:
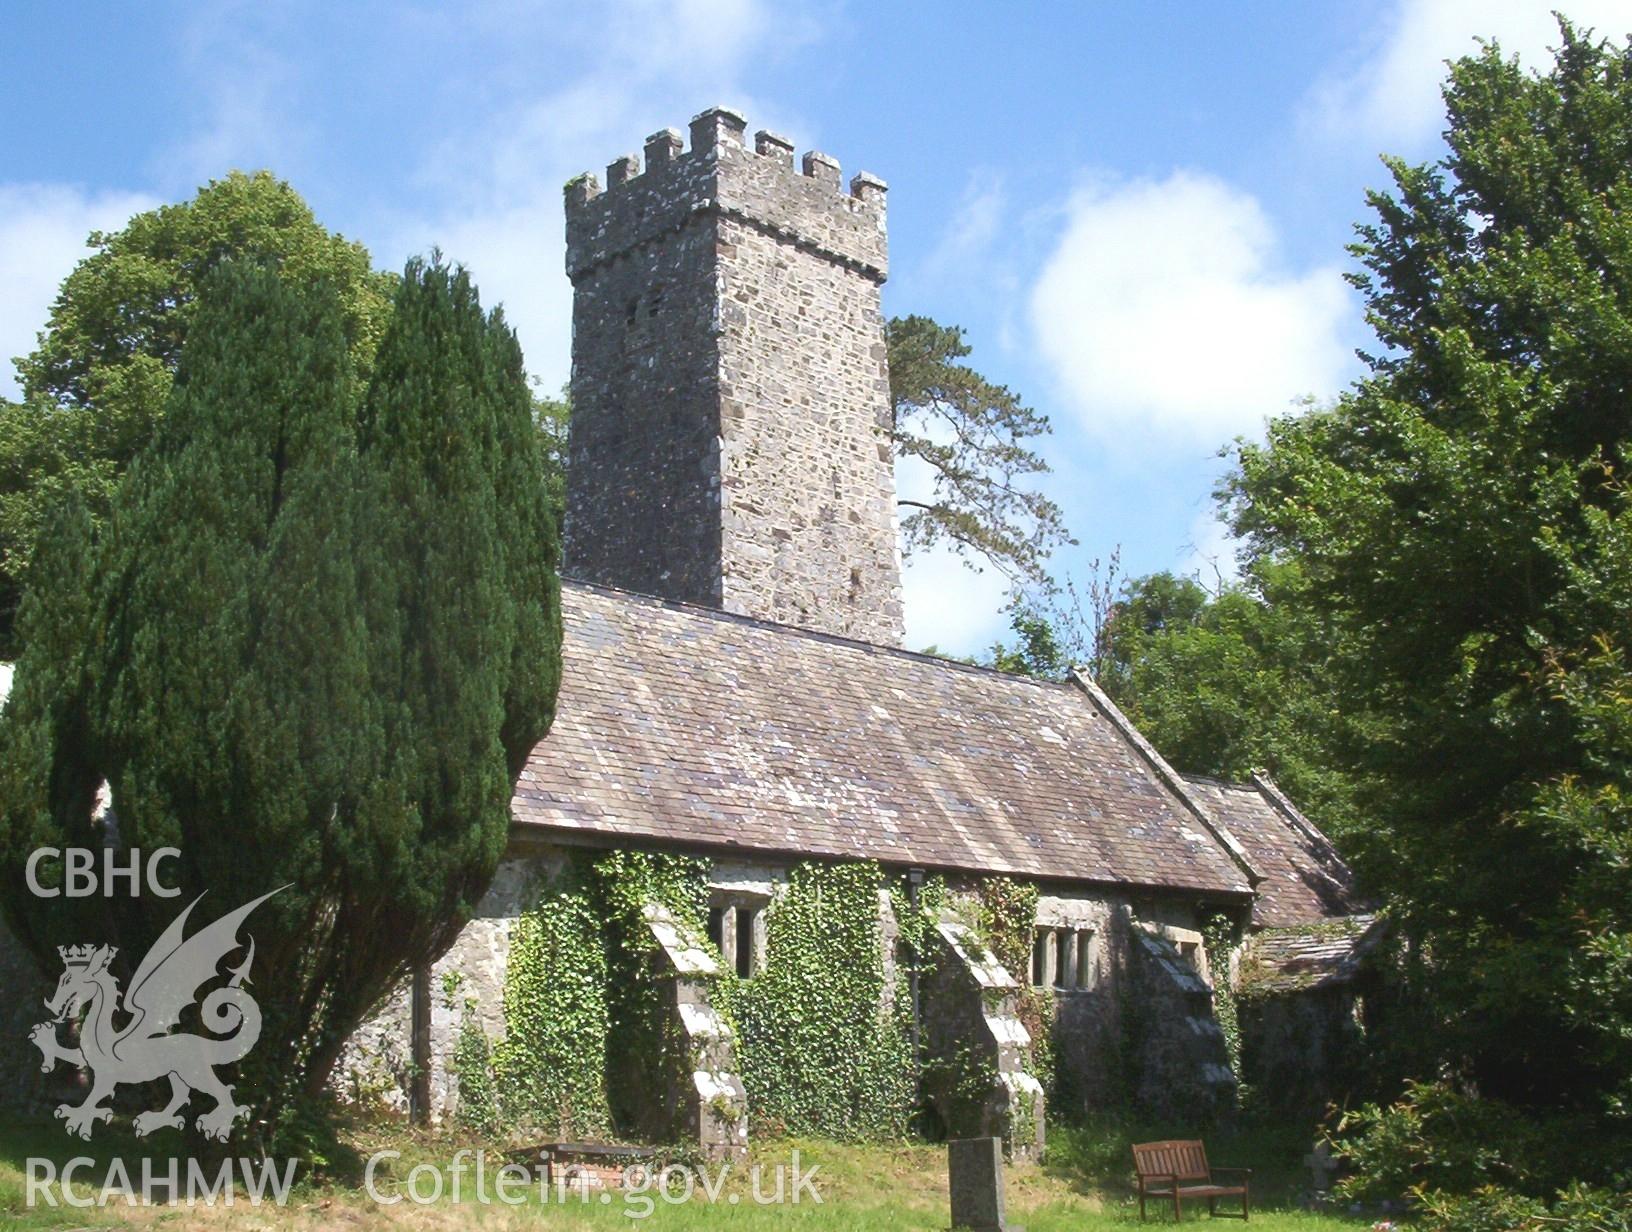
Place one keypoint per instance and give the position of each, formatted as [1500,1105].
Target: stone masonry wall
[730,434]
[1301,1050]
[1134,1023]
[376,1065]
[976,1050]
[808,498]
[643,489]
[1183,1062]
[1088,1041]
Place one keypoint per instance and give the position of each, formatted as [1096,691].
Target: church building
[735,696]
[735,689]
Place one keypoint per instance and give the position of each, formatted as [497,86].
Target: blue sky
[1138,211]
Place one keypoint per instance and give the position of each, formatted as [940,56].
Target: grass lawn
[1082,1187]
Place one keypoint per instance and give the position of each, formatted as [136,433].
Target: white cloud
[1391,98]
[970,229]
[245,111]
[1161,309]
[43,228]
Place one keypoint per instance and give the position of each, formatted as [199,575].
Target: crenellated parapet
[805,204]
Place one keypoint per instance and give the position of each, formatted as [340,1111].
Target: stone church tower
[729,443]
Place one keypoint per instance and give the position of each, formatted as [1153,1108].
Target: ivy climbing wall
[577,1005]
[976,1052]
[465,986]
[823,1049]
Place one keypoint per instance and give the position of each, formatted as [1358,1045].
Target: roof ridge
[1215,781]
[1170,778]
[1283,805]
[761,622]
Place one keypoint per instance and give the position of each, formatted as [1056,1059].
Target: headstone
[976,1172]
[1321,1166]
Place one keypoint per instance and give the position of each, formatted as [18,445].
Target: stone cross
[1321,1165]
[976,1172]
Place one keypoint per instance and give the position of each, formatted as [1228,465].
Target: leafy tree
[1062,626]
[1224,684]
[44,457]
[310,648]
[552,416]
[974,437]
[99,380]
[1457,526]
[1587,818]
[1037,651]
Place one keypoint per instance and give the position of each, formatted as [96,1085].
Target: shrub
[1493,1209]
[1439,1138]
[1434,1137]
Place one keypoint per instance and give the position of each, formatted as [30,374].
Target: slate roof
[1307,956]
[693,726]
[1305,880]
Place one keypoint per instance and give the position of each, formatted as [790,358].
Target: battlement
[762,187]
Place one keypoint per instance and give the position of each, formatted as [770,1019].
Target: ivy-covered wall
[1006,917]
[558,1011]
[1222,939]
[548,1069]
[547,1013]
[823,1049]
[647,1053]
[589,1040]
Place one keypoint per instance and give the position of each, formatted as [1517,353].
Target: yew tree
[310,646]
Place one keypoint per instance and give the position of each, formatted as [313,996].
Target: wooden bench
[592,1165]
[1179,1170]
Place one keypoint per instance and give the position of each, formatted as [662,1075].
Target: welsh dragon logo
[135,1043]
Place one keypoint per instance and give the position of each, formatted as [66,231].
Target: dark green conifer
[312,649]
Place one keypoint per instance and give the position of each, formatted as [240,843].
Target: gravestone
[976,1173]
[1321,1166]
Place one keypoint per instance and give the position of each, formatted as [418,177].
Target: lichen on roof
[1305,880]
[1304,957]
[688,725]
